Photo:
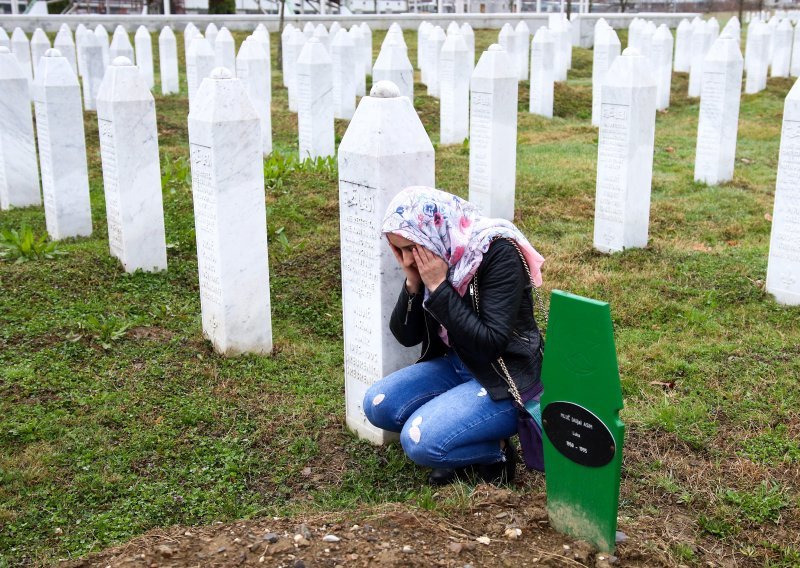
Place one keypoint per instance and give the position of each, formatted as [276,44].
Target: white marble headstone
[225,50]
[5,41]
[782,49]
[285,35]
[361,74]
[543,48]
[19,170]
[252,68]
[62,148]
[794,69]
[121,45]
[308,30]
[40,43]
[199,65]
[343,68]
[296,43]
[315,101]
[80,40]
[211,35]
[384,150]
[701,43]
[783,269]
[625,154]
[454,77]
[66,46]
[436,39]
[22,51]
[683,47]
[366,34]
[661,58]
[393,65]
[188,35]
[321,33]
[94,69]
[493,134]
[126,117]
[144,55]
[230,217]
[606,50]
[719,112]
[469,38]
[101,34]
[758,40]
[523,33]
[168,61]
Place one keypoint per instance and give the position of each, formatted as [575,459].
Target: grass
[116,416]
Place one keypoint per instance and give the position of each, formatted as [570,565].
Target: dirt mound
[496,527]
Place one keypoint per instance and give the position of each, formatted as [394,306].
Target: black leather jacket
[504,327]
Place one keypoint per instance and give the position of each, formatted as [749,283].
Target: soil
[498,527]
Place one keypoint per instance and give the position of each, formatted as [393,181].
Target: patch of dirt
[153,332]
[498,527]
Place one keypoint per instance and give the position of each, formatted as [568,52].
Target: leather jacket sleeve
[407,322]
[502,283]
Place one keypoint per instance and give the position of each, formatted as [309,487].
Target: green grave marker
[580,416]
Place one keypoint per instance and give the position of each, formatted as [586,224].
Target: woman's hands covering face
[413,278]
[432,268]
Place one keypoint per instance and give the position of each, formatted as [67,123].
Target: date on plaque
[578,434]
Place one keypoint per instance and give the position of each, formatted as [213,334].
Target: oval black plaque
[578,434]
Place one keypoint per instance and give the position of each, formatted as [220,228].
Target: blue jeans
[444,416]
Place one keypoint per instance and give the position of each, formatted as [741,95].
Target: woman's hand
[432,268]
[413,279]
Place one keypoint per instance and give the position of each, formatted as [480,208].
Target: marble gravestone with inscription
[541,84]
[454,72]
[230,217]
[321,33]
[794,67]
[211,35]
[40,43]
[343,74]
[80,36]
[101,34]
[523,33]
[62,148]
[21,48]
[199,64]
[719,112]
[606,50]
[168,61]
[121,45]
[507,39]
[469,38]
[422,50]
[126,117]
[393,65]
[360,73]
[782,49]
[315,102]
[66,46]
[758,42]
[701,43]
[783,269]
[252,68]
[683,47]
[625,154]
[225,50]
[261,35]
[285,35]
[366,37]
[188,35]
[308,30]
[661,58]
[436,39]
[295,45]
[19,170]
[93,69]
[384,150]
[144,55]
[493,134]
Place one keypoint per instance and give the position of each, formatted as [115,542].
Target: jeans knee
[420,446]
[382,416]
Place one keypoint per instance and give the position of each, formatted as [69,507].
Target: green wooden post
[580,415]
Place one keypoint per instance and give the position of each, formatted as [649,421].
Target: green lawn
[116,416]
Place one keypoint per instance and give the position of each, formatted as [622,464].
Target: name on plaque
[578,434]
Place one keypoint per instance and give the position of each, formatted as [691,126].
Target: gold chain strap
[539,300]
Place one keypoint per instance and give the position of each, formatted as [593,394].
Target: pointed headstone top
[39,37]
[18,35]
[166,32]
[212,27]
[121,61]
[224,34]
[495,63]
[543,35]
[395,27]
[506,30]
[384,90]
[684,24]
[452,27]
[437,33]
[314,53]
[141,32]
[342,37]
[52,52]
[631,69]
[53,71]
[64,28]
[724,49]
[523,27]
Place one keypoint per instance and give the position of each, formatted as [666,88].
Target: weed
[716,526]
[684,552]
[176,173]
[23,246]
[772,447]
[765,504]
[102,329]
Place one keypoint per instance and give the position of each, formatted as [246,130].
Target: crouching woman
[467,299]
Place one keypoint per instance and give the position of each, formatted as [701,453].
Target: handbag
[529,413]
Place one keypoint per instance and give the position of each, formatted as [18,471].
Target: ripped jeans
[444,416]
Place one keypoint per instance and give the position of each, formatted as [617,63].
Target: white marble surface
[294,47]
[606,50]
[392,64]
[66,45]
[230,217]
[199,65]
[101,34]
[343,70]
[5,41]
[625,154]
[121,46]
[733,28]
[252,68]
[422,51]
[507,39]
[144,56]
[395,35]
[225,50]
[701,43]
[308,30]
[683,47]
[469,37]
[21,48]
[62,148]
[334,29]
[366,37]
[794,69]
[288,30]
[40,43]
[261,35]
[523,43]
[782,49]
[543,48]
[94,69]
[315,101]
[321,33]
[168,61]
[719,112]
[384,150]
[757,63]
[436,39]
[188,35]
[80,40]
[493,133]
[360,73]
[661,58]
[783,269]
[454,77]
[563,46]
[19,170]
[126,117]
[211,35]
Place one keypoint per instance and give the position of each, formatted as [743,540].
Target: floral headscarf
[455,230]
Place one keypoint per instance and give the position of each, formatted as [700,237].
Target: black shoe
[502,471]
[446,475]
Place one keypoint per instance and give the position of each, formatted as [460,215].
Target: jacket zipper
[408,310]
[428,337]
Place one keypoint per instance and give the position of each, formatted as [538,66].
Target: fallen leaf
[670,149]
[767,216]
[746,161]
